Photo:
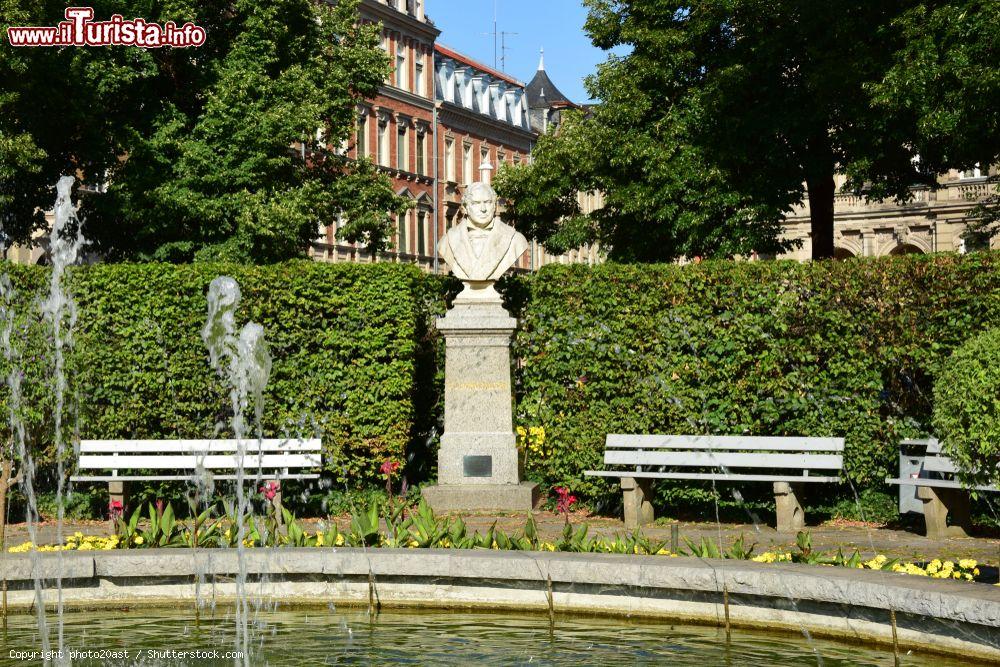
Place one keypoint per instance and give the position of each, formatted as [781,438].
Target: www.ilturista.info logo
[80,30]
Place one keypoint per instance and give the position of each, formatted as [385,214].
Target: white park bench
[942,493]
[786,462]
[183,460]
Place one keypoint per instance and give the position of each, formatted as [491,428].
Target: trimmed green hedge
[767,348]
[344,339]
[967,406]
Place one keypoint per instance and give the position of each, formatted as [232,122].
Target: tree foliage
[945,82]
[197,144]
[967,407]
[722,115]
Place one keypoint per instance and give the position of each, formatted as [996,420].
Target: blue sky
[556,25]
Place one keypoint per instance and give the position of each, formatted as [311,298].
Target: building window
[484,158]
[418,75]
[383,142]
[421,241]
[362,136]
[420,153]
[467,164]
[449,160]
[401,66]
[401,162]
[517,159]
[401,233]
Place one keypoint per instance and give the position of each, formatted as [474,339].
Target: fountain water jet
[245,363]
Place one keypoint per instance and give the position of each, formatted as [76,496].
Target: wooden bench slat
[191,462]
[250,475]
[738,442]
[197,446]
[701,459]
[937,483]
[940,464]
[721,477]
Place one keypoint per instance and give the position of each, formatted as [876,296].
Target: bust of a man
[481,247]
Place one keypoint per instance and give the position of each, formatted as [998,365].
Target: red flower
[389,468]
[270,490]
[115,509]
[565,500]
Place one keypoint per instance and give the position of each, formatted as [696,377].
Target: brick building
[439,118]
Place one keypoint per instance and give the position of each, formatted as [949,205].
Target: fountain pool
[323,635]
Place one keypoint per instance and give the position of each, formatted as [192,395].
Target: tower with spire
[545,102]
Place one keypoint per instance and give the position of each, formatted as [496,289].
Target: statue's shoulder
[514,237]
[454,234]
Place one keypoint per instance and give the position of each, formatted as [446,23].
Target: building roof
[542,92]
[466,60]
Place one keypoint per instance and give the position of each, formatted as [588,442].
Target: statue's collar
[471,227]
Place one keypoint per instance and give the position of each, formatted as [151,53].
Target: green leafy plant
[365,527]
[967,408]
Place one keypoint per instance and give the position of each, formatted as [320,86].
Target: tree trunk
[821,190]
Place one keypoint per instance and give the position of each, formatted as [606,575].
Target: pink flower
[565,500]
[389,468]
[270,490]
[115,509]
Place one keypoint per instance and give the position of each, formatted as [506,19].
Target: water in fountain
[17,433]
[59,310]
[245,363]
[65,242]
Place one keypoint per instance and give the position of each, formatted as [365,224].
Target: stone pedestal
[788,509]
[637,492]
[478,464]
[938,504]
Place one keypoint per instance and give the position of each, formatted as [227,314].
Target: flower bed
[396,525]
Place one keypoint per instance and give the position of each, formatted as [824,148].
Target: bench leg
[938,503]
[791,516]
[638,505]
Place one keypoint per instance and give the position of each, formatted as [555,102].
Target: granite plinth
[482,497]
[478,453]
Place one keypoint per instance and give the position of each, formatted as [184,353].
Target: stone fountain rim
[834,600]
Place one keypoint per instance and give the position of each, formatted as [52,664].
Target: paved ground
[849,536]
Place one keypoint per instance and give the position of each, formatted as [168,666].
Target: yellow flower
[319,538]
[340,540]
[967,564]
[138,539]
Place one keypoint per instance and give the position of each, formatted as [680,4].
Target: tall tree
[196,144]
[945,82]
[662,200]
[770,99]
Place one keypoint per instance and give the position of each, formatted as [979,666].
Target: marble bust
[481,247]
